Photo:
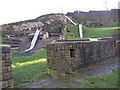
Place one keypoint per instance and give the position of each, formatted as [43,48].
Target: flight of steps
[13,42]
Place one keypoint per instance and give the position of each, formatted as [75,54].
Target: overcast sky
[17,10]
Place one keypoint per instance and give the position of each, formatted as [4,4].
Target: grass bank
[89,32]
[28,69]
[99,32]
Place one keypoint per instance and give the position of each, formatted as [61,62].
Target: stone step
[14,45]
[11,42]
[55,34]
[12,39]
[15,48]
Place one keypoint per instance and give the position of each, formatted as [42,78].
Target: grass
[73,34]
[113,24]
[91,32]
[0,39]
[12,52]
[28,69]
[99,32]
[104,81]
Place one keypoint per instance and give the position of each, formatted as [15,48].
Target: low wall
[66,56]
[6,78]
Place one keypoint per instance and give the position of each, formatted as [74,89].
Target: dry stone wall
[96,18]
[6,78]
[66,56]
[51,23]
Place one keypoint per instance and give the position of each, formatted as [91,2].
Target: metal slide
[34,40]
[38,31]
[79,26]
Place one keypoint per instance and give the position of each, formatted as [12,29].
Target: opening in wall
[72,52]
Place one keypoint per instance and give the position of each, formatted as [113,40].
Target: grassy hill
[90,32]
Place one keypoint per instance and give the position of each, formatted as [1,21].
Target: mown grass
[91,32]
[110,80]
[73,34]
[28,69]
[99,32]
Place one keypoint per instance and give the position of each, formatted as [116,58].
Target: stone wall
[6,78]
[51,23]
[101,18]
[66,56]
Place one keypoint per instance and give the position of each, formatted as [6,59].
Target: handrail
[79,26]
[80,30]
[71,20]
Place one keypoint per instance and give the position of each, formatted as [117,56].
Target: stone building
[66,56]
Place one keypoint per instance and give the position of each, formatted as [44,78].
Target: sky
[19,10]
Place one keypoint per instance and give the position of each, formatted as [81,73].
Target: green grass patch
[0,39]
[104,81]
[12,52]
[73,34]
[99,32]
[113,24]
[75,73]
[91,32]
[28,69]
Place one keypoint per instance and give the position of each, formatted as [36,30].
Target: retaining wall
[6,78]
[66,56]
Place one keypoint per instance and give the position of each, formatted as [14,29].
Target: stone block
[6,56]
[7,76]
[5,48]
[10,83]
[7,63]
[4,84]
[52,53]
[53,73]
[9,68]
[1,63]
[3,70]
[66,53]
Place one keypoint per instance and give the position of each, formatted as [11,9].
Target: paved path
[18,54]
[39,45]
[97,69]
